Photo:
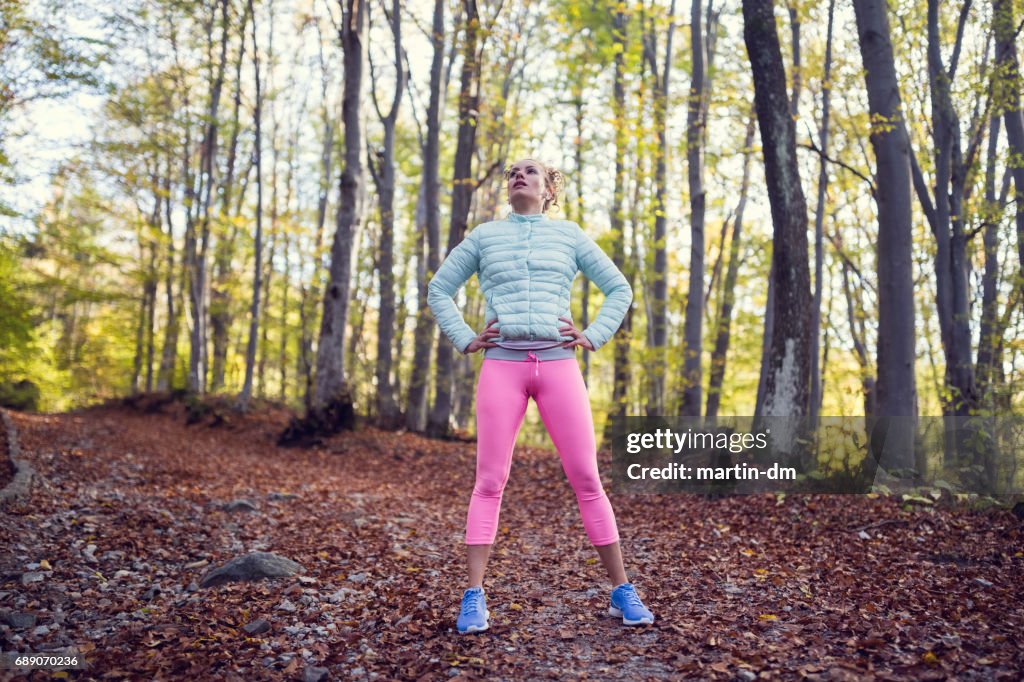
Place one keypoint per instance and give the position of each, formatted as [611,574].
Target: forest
[259,193]
[219,225]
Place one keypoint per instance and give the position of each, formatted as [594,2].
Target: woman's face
[526,183]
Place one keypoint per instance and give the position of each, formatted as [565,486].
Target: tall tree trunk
[581,219]
[312,295]
[896,390]
[659,286]
[144,341]
[950,253]
[169,353]
[387,408]
[220,296]
[621,341]
[819,222]
[462,194]
[254,310]
[793,7]
[199,245]
[693,324]
[332,393]
[1007,100]
[723,329]
[786,390]
[989,363]
[151,295]
[855,318]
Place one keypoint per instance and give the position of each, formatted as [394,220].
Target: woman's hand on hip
[578,338]
[483,339]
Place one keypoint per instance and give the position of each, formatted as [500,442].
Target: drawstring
[532,356]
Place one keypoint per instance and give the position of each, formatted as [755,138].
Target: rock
[41,631]
[357,577]
[240,505]
[20,620]
[32,577]
[314,674]
[252,566]
[279,496]
[256,627]
[286,606]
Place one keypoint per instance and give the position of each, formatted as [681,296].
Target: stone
[240,505]
[256,627]
[314,674]
[252,566]
[20,620]
[32,577]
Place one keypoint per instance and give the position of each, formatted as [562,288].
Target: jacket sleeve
[458,267]
[618,295]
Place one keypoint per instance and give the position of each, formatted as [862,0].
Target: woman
[526,264]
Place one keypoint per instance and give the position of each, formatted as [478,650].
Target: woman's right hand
[483,339]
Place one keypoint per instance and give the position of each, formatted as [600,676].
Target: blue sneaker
[626,603]
[474,614]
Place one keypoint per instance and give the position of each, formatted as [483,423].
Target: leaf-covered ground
[806,587]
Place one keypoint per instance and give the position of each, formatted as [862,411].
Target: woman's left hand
[578,340]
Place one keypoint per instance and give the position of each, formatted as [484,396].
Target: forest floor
[797,587]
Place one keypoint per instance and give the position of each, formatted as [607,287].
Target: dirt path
[743,587]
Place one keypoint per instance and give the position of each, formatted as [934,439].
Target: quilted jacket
[526,265]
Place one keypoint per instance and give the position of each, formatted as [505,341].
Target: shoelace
[471,602]
[632,598]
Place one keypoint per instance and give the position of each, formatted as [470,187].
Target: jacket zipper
[529,284]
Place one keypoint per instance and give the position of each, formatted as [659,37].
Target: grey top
[519,349]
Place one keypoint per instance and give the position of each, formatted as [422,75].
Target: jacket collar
[529,218]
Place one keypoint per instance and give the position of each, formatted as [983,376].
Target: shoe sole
[478,628]
[612,611]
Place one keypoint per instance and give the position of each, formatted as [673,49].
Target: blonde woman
[526,264]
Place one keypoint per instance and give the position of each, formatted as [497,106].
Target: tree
[819,220]
[384,178]
[1007,101]
[429,228]
[693,325]
[723,327]
[659,289]
[463,184]
[254,310]
[786,390]
[896,394]
[332,398]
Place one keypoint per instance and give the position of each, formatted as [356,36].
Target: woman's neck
[528,209]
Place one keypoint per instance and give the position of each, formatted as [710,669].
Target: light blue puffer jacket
[526,265]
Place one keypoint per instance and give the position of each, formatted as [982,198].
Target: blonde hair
[554,182]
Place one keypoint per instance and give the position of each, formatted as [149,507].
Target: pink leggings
[503,389]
